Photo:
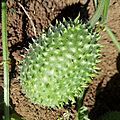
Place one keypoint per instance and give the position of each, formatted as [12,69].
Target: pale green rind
[59,64]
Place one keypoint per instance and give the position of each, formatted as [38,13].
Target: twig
[34,29]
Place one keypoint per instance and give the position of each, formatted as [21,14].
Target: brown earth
[103,93]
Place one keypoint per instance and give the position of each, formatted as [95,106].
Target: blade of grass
[5,59]
[97,14]
[105,11]
[95,2]
[113,38]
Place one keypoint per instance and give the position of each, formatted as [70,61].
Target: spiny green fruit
[59,64]
[114,115]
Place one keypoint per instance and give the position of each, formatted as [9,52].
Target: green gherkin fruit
[59,64]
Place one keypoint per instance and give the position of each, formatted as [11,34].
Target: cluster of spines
[59,64]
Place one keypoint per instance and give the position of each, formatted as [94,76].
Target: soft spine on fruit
[59,64]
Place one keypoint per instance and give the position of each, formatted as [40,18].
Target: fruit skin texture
[59,64]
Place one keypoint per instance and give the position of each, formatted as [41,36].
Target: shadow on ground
[107,98]
[73,11]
